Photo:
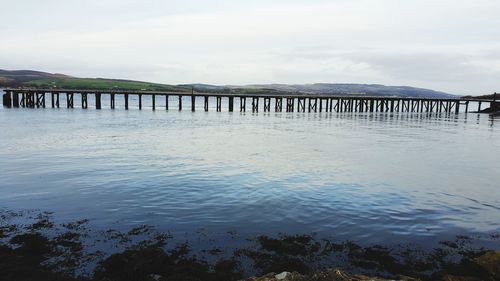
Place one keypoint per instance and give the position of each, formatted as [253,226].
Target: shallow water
[375,178]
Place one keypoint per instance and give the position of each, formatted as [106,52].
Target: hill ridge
[33,78]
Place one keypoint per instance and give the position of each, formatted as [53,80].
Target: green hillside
[38,79]
[99,83]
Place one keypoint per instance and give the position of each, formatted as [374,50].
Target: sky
[445,45]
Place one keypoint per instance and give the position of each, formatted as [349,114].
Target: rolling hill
[38,79]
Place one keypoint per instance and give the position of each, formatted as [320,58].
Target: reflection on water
[366,177]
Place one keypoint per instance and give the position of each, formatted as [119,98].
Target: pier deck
[36,98]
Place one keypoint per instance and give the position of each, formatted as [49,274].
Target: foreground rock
[331,274]
[491,263]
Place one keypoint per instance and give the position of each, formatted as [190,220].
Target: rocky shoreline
[489,264]
[40,249]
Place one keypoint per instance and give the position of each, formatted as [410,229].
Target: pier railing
[37,98]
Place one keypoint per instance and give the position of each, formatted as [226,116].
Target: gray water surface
[367,177]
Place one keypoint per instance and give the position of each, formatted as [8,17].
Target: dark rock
[331,274]
[491,263]
[460,278]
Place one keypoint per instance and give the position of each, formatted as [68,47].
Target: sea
[371,178]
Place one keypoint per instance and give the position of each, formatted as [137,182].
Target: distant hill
[18,77]
[30,78]
[362,89]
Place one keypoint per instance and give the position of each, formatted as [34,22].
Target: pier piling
[7,102]
[98,101]
[243,104]
[231,103]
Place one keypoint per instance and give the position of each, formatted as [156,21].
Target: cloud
[446,45]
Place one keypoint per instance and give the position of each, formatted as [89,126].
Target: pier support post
[32,99]
[7,100]
[218,105]
[371,105]
[255,104]
[15,99]
[457,107]
[193,102]
[479,107]
[69,100]
[301,104]
[206,103]
[466,106]
[278,104]
[27,99]
[313,106]
[243,104]
[126,101]
[57,100]
[22,102]
[153,102]
[52,100]
[84,100]
[231,104]
[180,103]
[40,99]
[289,104]
[166,102]
[140,101]
[97,100]
[267,104]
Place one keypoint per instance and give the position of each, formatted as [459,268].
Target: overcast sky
[447,45]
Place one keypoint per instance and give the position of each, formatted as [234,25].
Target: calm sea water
[377,178]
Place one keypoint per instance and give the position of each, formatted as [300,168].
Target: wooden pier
[38,98]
